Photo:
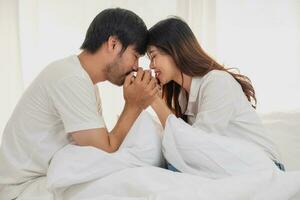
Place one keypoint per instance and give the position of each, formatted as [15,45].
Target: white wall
[262,39]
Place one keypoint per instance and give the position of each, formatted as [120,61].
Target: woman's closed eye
[152,57]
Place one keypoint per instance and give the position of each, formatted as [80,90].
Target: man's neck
[94,65]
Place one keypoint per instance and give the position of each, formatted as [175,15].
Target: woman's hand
[140,91]
[161,108]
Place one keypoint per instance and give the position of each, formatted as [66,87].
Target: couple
[62,105]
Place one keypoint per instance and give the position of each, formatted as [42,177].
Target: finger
[128,80]
[132,78]
[140,74]
[154,91]
[146,77]
[152,84]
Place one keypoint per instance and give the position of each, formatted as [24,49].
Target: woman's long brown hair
[174,37]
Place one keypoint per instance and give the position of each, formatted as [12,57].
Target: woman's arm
[161,109]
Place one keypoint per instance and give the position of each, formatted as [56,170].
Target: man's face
[122,65]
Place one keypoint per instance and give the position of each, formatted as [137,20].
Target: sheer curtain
[11,85]
[261,38]
[52,29]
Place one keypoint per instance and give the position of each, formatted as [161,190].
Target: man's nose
[135,66]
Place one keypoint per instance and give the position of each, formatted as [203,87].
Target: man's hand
[140,91]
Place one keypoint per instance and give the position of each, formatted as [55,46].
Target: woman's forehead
[152,49]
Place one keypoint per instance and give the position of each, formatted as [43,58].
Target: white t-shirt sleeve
[216,103]
[75,100]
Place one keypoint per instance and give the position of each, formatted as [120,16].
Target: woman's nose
[151,65]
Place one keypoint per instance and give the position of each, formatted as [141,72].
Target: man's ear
[114,45]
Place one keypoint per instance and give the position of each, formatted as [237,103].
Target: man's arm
[102,139]
[138,95]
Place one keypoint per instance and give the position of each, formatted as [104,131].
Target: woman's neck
[187,81]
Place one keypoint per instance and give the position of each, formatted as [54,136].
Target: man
[62,105]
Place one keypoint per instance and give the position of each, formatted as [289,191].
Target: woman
[212,101]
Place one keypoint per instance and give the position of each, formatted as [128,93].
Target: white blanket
[193,151]
[87,173]
[153,183]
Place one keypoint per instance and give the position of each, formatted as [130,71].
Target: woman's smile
[157,73]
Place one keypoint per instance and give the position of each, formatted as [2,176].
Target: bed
[92,174]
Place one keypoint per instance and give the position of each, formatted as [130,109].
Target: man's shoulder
[62,69]
[65,64]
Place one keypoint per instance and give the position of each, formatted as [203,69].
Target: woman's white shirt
[218,105]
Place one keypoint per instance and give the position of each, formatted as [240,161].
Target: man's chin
[118,82]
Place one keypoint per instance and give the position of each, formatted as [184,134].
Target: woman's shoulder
[218,74]
[218,77]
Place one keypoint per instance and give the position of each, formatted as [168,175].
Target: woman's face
[163,65]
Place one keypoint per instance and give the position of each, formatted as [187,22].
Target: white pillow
[284,129]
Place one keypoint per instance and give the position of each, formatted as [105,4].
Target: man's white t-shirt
[61,100]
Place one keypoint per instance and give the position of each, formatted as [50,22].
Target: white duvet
[137,183]
[131,174]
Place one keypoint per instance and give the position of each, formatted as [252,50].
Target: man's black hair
[129,28]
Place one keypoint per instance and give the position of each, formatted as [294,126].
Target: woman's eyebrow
[151,51]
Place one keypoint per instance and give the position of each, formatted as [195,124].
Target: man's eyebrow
[136,53]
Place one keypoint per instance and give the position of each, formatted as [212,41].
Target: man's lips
[153,73]
[128,73]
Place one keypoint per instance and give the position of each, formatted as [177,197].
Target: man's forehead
[133,49]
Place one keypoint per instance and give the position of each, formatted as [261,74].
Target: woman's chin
[163,81]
